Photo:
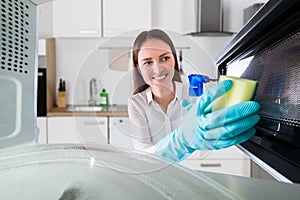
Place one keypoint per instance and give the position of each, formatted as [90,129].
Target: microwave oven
[267,50]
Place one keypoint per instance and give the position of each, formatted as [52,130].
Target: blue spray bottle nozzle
[196,84]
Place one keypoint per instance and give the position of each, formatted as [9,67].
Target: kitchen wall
[79,59]
[82,60]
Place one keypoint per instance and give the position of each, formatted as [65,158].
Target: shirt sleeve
[140,131]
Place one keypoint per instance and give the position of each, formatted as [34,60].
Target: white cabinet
[45,20]
[226,161]
[84,130]
[121,16]
[120,132]
[77,18]
[42,126]
[174,15]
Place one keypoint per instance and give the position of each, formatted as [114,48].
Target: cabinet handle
[210,165]
[93,123]
[87,32]
[113,32]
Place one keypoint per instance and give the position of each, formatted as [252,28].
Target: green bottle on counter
[103,98]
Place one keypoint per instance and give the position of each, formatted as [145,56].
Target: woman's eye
[165,58]
[148,63]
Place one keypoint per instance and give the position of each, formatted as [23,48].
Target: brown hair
[138,81]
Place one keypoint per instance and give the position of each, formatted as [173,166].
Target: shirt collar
[149,95]
[178,89]
[178,92]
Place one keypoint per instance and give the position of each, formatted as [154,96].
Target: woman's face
[156,63]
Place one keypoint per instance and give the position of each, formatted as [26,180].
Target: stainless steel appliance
[267,50]
[209,18]
[42,92]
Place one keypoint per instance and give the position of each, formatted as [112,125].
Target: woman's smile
[160,77]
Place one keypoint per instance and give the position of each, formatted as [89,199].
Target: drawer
[229,153]
[120,132]
[232,167]
[77,130]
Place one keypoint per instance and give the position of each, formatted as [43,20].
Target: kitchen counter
[111,111]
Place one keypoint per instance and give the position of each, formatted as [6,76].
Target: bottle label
[103,101]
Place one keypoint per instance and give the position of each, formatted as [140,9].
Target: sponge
[242,90]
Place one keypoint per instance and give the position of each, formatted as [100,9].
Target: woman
[160,124]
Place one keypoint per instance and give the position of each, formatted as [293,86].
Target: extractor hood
[209,18]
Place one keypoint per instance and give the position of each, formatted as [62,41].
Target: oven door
[267,50]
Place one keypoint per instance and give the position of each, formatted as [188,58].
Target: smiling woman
[156,64]
[156,83]
[160,124]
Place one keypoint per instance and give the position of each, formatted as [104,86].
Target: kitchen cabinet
[83,130]
[226,161]
[120,132]
[108,18]
[174,15]
[117,131]
[121,16]
[42,126]
[45,16]
[77,18]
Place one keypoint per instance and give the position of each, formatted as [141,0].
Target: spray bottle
[196,85]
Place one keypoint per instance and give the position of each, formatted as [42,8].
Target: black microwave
[267,49]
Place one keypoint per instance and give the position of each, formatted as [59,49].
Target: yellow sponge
[242,90]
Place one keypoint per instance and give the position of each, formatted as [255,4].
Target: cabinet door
[77,18]
[42,125]
[232,167]
[121,16]
[174,15]
[119,132]
[45,20]
[84,130]
[228,153]
[230,160]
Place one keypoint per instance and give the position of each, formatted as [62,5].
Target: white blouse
[149,123]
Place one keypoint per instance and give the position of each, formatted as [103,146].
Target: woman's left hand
[202,129]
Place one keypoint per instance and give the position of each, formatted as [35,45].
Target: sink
[84,109]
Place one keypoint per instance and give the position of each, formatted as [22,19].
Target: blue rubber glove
[202,129]
[186,104]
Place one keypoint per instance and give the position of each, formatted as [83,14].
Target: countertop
[110,111]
